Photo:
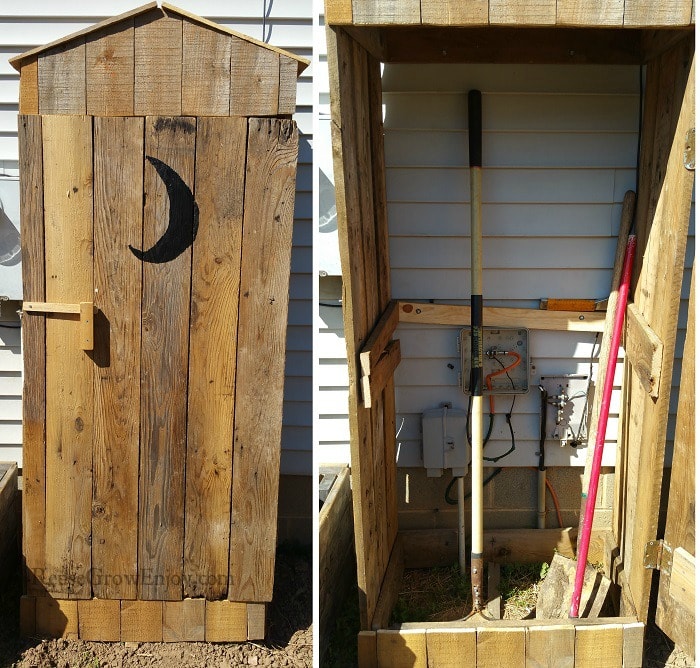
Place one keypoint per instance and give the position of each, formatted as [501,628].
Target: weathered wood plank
[110,71]
[550,646]
[513,12]
[582,13]
[386,12]
[206,71]
[401,649]
[500,647]
[374,383]
[287,97]
[650,13]
[380,337]
[29,87]
[338,12]
[184,621]
[632,644]
[62,79]
[118,194]
[451,648]
[164,364]
[668,187]
[216,268]
[367,649]
[56,618]
[34,349]
[99,620]
[226,621]
[256,620]
[390,587]
[68,212]
[158,64]
[599,646]
[644,350]
[142,621]
[255,80]
[496,316]
[454,12]
[262,324]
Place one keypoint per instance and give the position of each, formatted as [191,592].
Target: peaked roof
[166,8]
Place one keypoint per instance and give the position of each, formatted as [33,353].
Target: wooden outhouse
[157,165]
[659,37]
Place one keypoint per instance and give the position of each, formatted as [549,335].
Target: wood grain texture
[164,365]
[34,350]
[550,647]
[216,268]
[256,620]
[514,12]
[29,87]
[454,12]
[287,97]
[632,644]
[62,79]
[183,621]
[68,211]
[99,620]
[338,12]
[599,646]
[374,383]
[673,614]
[255,80]
[142,621]
[206,71]
[262,324]
[380,337]
[56,618]
[451,648]
[158,65]
[226,621]
[582,13]
[664,229]
[650,13]
[496,647]
[118,222]
[367,649]
[401,649]
[391,586]
[109,57]
[386,12]
[644,350]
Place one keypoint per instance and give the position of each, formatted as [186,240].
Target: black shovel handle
[474,100]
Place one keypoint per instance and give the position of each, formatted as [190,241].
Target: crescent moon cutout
[183,221]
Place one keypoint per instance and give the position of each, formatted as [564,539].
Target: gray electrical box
[505,360]
[569,399]
[445,441]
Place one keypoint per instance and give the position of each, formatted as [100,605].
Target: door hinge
[658,555]
[689,150]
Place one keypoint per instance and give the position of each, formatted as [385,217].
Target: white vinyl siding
[288,25]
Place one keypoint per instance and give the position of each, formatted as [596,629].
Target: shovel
[574,588]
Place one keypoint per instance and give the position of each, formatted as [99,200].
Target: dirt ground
[289,640]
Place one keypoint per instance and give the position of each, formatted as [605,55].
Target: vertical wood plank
[226,621]
[255,79]
[386,12]
[62,79]
[142,621]
[33,346]
[599,645]
[454,12]
[497,647]
[29,87]
[99,620]
[68,204]
[216,268]
[262,325]
[164,364]
[401,649]
[287,99]
[451,648]
[514,12]
[633,645]
[256,621]
[119,152]
[206,70]
[110,70]
[158,64]
[56,618]
[550,647]
[582,13]
[367,649]
[183,621]
[651,13]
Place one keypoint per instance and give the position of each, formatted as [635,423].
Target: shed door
[675,612]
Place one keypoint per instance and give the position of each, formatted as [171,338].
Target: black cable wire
[509,415]
[453,502]
[11,326]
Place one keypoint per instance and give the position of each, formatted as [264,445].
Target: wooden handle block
[86,311]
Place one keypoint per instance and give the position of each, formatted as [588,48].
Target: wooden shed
[659,36]
[157,165]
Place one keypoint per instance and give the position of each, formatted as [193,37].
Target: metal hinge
[658,555]
[689,150]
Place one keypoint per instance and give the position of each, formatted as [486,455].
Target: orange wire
[500,372]
[553,495]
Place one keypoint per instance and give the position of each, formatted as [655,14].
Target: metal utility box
[445,441]
[361,36]
[154,325]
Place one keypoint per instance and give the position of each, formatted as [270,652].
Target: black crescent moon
[183,220]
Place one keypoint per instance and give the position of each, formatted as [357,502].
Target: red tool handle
[584,538]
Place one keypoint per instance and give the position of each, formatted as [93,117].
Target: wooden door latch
[86,311]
